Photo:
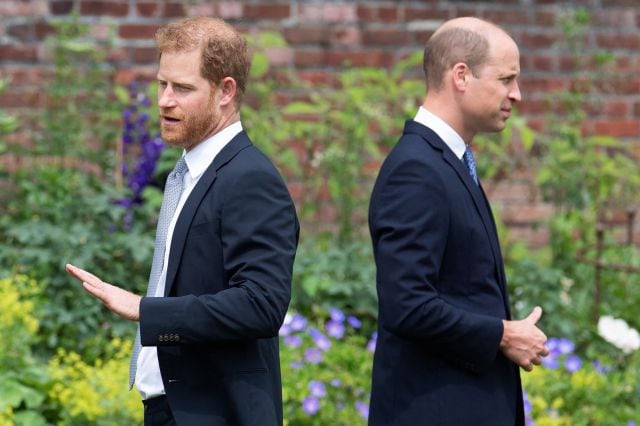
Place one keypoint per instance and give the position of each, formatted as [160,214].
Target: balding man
[447,351]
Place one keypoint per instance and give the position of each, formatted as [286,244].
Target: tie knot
[470,162]
[179,169]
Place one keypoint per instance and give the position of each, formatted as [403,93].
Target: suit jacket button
[177,337]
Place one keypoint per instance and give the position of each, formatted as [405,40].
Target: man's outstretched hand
[117,300]
[523,342]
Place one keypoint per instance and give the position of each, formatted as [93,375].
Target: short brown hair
[450,46]
[224,50]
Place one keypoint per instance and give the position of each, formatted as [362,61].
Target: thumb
[534,316]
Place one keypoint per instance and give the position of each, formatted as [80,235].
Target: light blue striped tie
[172,192]
[470,162]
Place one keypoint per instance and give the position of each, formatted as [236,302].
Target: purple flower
[317,388]
[572,363]
[293,341]
[354,322]
[335,382]
[311,405]
[363,409]
[285,330]
[565,346]
[335,329]
[550,362]
[371,346]
[319,339]
[336,314]
[600,367]
[295,365]
[298,322]
[313,355]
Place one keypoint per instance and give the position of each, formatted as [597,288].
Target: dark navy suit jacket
[228,288]
[442,294]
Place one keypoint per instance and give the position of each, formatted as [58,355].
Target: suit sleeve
[259,235]
[409,219]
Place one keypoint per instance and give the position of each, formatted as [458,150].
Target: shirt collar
[441,128]
[200,157]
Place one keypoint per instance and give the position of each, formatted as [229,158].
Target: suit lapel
[237,144]
[476,192]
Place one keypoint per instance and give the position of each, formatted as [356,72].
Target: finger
[83,275]
[535,315]
[544,351]
[536,361]
[97,291]
[528,367]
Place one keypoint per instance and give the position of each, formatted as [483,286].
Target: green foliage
[59,215]
[80,116]
[327,273]
[329,139]
[23,380]
[8,123]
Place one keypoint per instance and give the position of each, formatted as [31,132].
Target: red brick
[542,63]
[128,75]
[309,57]
[318,78]
[535,237]
[636,110]
[26,75]
[539,39]
[43,29]
[18,52]
[173,10]
[616,108]
[526,214]
[145,55]
[542,84]
[618,41]
[10,8]
[147,8]
[307,35]
[134,31]
[614,18]
[544,18]
[386,37]
[616,128]
[230,10]
[23,98]
[328,12]
[349,36]
[104,8]
[389,14]
[367,13]
[507,16]
[23,32]
[61,7]
[266,11]
[426,12]
[359,58]
[533,106]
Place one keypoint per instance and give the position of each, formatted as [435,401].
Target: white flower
[618,333]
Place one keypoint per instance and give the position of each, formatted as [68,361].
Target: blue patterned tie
[470,162]
[172,192]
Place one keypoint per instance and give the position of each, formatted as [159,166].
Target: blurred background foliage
[89,191]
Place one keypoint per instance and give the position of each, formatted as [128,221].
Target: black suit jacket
[228,288]
[442,294]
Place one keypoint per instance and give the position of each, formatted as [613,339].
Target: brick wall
[322,35]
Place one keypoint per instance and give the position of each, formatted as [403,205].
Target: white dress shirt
[148,379]
[447,134]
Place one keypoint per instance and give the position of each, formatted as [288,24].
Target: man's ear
[228,89]
[460,73]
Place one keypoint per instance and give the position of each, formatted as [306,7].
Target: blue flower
[311,405]
[335,329]
[354,322]
[551,362]
[317,388]
[336,314]
[293,341]
[298,322]
[572,363]
[363,409]
[285,330]
[565,346]
[335,382]
[296,365]
[319,339]
[371,346]
[313,355]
